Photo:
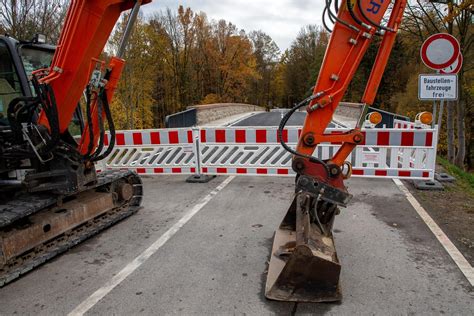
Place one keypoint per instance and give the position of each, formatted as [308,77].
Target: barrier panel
[388,153]
[385,153]
[160,151]
[245,151]
[396,153]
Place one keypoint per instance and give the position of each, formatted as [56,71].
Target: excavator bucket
[304,266]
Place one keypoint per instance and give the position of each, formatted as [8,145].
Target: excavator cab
[18,60]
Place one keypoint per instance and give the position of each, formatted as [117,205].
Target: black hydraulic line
[324,20]
[282,125]
[336,6]
[316,216]
[331,17]
[51,110]
[48,103]
[350,8]
[110,121]
[379,26]
[89,122]
[12,114]
[331,14]
[101,127]
[45,100]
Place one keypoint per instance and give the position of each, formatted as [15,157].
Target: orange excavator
[51,196]
[304,266]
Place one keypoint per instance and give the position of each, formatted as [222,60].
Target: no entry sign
[440,51]
[438,87]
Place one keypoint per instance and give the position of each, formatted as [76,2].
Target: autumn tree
[303,61]
[179,32]
[133,101]
[232,62]
[22,19]
[266,54]
[203,68]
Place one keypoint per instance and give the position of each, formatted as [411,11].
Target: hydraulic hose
[331,14]
[90,126]
[379,26]
[282,125]
[350,8]
[51,110]
[324,20]
[110,121]
[101,127]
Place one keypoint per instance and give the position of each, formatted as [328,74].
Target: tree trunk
[450,106]
[461,154]
[450,131]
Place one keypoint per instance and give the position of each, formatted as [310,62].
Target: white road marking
[92,300]
[455,254]
[233,123]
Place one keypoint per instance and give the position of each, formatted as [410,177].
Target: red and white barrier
[385,153]
[160,151]
[153,137]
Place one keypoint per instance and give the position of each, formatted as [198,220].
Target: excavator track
[62,222]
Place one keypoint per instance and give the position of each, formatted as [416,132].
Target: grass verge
[464,179]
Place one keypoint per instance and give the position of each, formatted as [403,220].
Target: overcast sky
[281,19]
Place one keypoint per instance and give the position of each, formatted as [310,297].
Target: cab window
[33,59]
[10,87]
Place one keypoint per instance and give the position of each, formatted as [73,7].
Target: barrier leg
[198,177]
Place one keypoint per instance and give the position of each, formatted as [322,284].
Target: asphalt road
[216,262]
[273,119]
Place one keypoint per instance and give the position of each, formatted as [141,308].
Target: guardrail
[385,153]
[186,118]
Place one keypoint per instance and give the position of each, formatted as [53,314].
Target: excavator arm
[304,264]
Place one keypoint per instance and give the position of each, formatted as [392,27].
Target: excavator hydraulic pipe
[115,69]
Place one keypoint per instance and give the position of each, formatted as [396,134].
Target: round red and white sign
[440,51]
[454,67]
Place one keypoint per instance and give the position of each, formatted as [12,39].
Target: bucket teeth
[304,266]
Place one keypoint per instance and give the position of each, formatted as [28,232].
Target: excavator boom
[304,266]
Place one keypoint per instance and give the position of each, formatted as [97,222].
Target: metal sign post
[440,52]
[440,117]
